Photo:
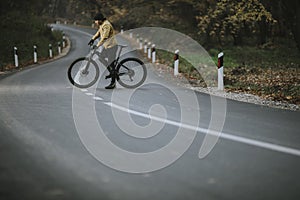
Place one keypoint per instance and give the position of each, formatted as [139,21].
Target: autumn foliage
[236,19]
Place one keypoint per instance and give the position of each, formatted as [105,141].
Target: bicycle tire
[133,64]
[75,68]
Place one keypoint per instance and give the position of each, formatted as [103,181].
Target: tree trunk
[237,39]
[292,17]
[263,31]
[296,28]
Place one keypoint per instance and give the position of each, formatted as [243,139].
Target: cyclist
[109,46]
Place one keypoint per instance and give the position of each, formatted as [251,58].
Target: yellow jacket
[107,35]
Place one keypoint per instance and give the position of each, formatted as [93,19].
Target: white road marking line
[89,94]
[98,98]
[83,90]
[240,139]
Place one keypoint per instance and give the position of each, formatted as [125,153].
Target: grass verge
[271,72]
[24,34]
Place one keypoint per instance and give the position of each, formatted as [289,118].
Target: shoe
[111,86]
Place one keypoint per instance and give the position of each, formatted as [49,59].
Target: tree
[291,12]
[236,18]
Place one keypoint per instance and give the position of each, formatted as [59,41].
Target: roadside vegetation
[24,30]
[260,38]
[263,72]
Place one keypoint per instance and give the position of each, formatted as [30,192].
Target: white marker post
[153,50]
[16,56]
[145,46]
[220,71]
[141,43]
[122,31]
[64,41]
[137,38]
[34,54]
[59,48]
[176,62]
[50,51]
[149,50]
[130,35]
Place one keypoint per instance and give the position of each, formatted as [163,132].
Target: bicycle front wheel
[132,72]
[83,73]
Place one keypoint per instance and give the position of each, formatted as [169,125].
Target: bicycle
[129,72]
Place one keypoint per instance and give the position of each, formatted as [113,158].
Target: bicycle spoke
[132,72]
[83,73]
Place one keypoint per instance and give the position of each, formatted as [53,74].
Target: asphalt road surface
[43,156]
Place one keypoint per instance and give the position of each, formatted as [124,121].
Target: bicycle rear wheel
[132,72]
[83,73]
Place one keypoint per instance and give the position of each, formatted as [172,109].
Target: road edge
[65,52]
[235,96]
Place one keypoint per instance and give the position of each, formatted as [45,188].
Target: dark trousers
[110,55]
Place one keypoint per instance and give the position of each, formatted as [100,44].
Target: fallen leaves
[279,84]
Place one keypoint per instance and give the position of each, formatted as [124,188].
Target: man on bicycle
[109,44]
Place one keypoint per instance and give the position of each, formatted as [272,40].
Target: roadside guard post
[220,71]
[145,46]
[149,50]
[176,62]
[141,43]
[59,48]
[34,54]
[16,56]
[64,40]
[153,53]
[50,51]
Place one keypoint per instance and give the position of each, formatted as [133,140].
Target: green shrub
[25,31]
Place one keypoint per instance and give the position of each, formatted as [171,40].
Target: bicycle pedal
[108,76]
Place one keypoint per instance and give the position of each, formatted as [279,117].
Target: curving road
[43,157]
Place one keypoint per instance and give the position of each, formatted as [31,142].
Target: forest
[260,38]
[216,22]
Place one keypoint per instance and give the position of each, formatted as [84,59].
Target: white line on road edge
[265,145]
[98,98]
[223,135]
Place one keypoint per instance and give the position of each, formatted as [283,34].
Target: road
[43,156]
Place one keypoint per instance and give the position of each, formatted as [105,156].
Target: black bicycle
[130,72]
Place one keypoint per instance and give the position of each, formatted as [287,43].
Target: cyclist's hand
[91,42]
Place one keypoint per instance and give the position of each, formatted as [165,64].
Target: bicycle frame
[119,68]
[95,52]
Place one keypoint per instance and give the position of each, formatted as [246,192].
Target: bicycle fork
[85,69]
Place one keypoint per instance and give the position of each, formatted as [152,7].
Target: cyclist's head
[99,17]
